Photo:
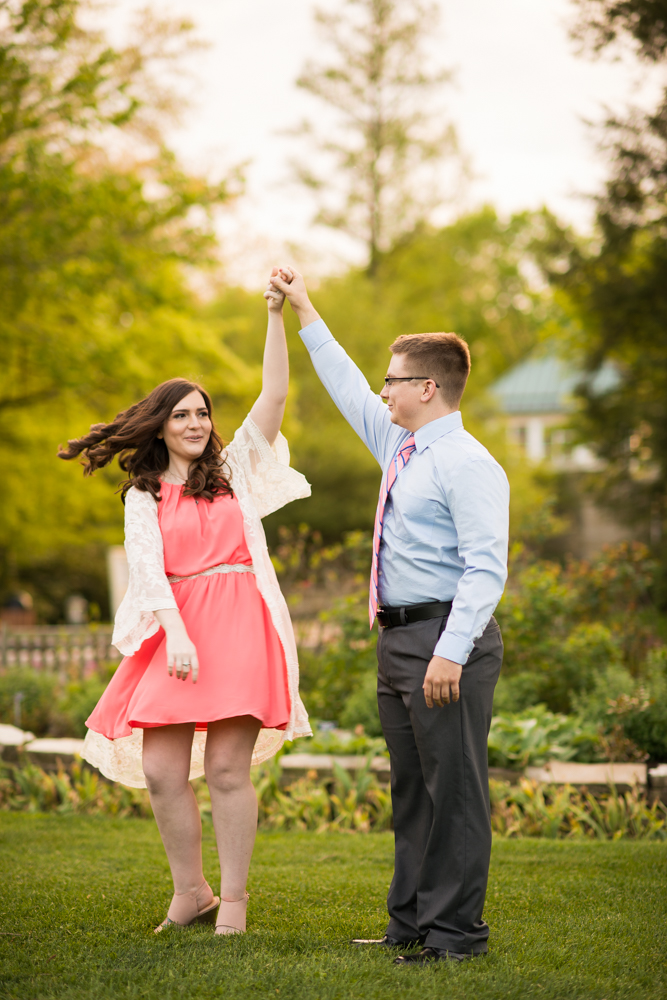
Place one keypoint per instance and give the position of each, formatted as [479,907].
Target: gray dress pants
[439,788]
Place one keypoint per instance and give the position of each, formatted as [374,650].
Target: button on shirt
[445,528]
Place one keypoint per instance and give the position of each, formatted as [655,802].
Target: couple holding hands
[209,680]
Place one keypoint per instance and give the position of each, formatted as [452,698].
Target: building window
[520,437]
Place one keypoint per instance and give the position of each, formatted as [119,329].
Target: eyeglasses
[390,380]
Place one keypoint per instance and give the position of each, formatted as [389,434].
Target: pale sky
[519,101]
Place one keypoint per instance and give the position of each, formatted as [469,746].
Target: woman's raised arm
[268,411]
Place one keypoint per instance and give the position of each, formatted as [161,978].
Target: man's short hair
[443,357]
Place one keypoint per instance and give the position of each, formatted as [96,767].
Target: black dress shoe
[427,955]
[388,942]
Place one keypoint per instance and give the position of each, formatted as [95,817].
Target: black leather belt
[389,617]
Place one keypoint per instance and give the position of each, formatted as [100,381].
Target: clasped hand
[441,683]
[274,296]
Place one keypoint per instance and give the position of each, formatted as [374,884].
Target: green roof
[547,384]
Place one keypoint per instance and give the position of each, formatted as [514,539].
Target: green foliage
[648,730]
[303,562]
[51,707]
[339,741]
[355,804]
[615,285]
[604,22]
[96,303]
[536,735]
[576,637]
[564,626]
[38,690]
[361,706]
[616,297]
[331,673]
[584,638]
[76,704]
[469,277]
[350,803]
[76,790]
[387,128]
[640,711]
[534,810]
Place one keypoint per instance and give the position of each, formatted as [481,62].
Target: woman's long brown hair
[132,436]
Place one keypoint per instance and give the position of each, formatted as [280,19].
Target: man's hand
[442,677]
[288,281]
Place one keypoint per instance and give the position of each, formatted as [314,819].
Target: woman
[209,682]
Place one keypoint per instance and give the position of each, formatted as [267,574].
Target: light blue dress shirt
[445,528]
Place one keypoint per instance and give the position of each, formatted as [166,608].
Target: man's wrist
[306,314]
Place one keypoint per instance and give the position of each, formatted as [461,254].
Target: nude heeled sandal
[232,915]
[199,906]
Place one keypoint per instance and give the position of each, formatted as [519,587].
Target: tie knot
[408,446]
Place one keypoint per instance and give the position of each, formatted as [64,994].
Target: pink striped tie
[398,462]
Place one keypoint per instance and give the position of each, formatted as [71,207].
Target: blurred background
[495,169]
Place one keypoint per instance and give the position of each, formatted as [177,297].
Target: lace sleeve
[148,588]
[265,469]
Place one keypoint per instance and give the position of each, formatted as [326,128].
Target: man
[439,568]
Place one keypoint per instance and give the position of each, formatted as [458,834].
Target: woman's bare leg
[229,746]
[166,763]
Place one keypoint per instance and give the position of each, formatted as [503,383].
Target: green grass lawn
[80,897]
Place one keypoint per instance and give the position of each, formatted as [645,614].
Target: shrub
[49,706]
[354,804]
[648,730]
[361,706]
[536,735]
[77,701]
[76,790]
[535,810]
[336,670]
[338,741]
[36,707]
[564,626]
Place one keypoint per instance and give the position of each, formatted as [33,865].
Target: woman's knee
[162,776]
[227,776]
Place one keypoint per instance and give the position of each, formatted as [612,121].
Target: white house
[537,398]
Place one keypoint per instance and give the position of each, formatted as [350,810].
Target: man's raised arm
[346,384]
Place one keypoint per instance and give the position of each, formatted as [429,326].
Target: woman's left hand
[274,297]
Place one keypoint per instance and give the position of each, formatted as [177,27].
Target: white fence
[72,651]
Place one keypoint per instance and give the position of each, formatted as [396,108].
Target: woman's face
[188,428]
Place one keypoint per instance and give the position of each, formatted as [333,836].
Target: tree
[616,284]
[85,252]
[604,22]
[94,254]
[389,132]
[470,277]
[62,82]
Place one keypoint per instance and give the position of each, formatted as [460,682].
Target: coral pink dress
[242,669]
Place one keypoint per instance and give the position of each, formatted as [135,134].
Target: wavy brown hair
[132,436]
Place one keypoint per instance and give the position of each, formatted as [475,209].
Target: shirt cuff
[452,647]
[315,334]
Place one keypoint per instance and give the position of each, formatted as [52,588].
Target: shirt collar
[435,429]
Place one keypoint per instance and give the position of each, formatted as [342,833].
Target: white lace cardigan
[263,482]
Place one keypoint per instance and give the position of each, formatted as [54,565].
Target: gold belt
[222,568]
